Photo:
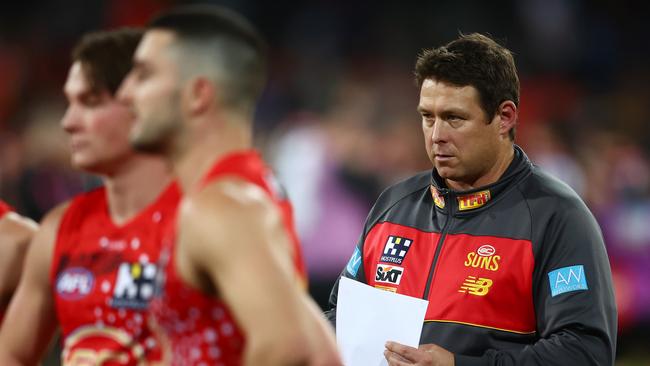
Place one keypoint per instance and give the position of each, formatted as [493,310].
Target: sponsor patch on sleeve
[567,279]
[354,263]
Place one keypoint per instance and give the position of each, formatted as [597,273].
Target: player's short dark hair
[107,57]
[240,51]
[475,60]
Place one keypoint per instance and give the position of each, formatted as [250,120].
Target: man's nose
[70,120]
[124,91]
[439,132]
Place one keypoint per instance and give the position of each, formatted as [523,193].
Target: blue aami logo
[567,279]
[354,263]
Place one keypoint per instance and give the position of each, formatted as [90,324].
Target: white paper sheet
[367,317]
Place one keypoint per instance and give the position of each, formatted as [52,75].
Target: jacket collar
[476,199]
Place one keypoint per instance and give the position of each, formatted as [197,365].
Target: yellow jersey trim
[478,325]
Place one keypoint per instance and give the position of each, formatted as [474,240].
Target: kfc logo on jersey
[134,286]
[473,200]
[395,249]
[389,274]
[75,283]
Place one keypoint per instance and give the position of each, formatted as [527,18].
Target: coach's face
[98,125]
[152,90]
[462,143]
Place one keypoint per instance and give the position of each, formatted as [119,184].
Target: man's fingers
[408,353]
[395,359]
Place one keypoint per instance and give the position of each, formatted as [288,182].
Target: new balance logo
[395,249]
[476,286]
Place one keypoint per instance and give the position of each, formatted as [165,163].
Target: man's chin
[146,146]
[445,171]
[86,166]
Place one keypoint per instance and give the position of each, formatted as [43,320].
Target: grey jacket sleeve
[354,270]
[573,296]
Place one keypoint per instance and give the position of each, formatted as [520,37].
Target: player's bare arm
[30,321]
[232,242]
[15,234]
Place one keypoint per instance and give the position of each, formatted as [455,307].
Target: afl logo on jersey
[75,283]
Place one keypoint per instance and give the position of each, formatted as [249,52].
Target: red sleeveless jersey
[103,277]
[4,208]
[200,329]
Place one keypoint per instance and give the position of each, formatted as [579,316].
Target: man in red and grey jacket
[511,260]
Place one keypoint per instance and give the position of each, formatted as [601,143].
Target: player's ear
[506,117]
[202,93]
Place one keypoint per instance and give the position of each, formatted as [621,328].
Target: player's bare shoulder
[42,244]
[230,203]
[226,211]
[14,222]
[15,233]
[52,219]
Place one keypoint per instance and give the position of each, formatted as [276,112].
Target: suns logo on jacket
[484,257]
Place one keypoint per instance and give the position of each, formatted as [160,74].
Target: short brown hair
[107,56]
[475,60]
[232,43]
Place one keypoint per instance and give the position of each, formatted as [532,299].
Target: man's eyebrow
[80,95]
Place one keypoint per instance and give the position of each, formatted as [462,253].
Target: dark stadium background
[338,118]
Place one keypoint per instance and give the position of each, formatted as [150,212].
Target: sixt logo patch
[484,257]
[354,263]
[389,274]
[75,283]
[567,279]
[473,200]
[134,286]
[437,198]
[476,286]
[395,249]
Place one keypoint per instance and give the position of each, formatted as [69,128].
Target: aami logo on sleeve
[389,274]
[567,279]
[354,263]
[395,249]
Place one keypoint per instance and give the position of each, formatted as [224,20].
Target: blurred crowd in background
[338,119]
